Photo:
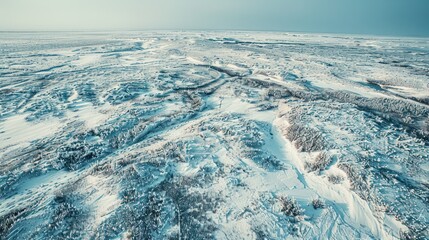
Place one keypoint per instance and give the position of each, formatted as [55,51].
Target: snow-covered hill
[213,135]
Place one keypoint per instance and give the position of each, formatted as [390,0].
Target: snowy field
[213,135]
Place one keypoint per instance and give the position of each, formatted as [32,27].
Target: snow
[16,130]
[210,134]
[88,59]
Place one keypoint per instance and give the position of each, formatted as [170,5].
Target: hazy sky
[387,17]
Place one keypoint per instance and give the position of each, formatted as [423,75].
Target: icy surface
[213,135]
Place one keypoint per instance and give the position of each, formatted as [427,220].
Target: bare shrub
[8,221]
[413,234]
[290,207]
[306,139]
[405,235]
[358,178]
[335,179]
[321,163]
[386,105]
[318,203]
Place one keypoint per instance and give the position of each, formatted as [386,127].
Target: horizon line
[211,30]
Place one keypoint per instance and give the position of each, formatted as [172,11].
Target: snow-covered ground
[213,135]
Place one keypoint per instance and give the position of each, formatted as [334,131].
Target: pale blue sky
[384,17]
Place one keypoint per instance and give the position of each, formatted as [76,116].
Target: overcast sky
[381,17]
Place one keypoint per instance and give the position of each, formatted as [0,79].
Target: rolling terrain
[213,135]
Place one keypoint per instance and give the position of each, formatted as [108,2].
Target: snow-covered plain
[213,135]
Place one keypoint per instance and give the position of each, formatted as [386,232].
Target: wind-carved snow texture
[177,135]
